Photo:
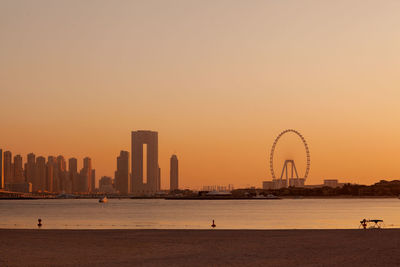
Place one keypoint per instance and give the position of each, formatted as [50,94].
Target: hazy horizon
[218,80]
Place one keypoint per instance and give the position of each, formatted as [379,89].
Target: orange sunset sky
[219,80]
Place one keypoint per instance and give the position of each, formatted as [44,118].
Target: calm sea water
[197,214]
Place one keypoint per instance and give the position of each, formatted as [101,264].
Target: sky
[219,80]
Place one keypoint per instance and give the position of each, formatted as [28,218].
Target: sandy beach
[199,247]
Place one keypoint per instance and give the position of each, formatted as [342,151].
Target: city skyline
[222,81]
[140,178]
[39,175]
[144,144]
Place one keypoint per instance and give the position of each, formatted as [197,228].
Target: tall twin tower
[146,175]
[145,169]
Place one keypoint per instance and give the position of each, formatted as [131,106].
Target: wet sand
[200,247]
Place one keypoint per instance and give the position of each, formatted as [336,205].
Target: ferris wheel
[271,158]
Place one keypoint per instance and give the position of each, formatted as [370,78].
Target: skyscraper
[30,170]
[40,176]
[86,175]
[63,183]
[51,163]
[144,178]
[8,168]
[18,170]
[93,181]
[159,179]
[122,173]
[173,173]
[73,174]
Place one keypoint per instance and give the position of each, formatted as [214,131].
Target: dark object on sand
[377,224]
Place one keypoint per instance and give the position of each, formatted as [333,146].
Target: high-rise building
[159,179]
[1,170]
[62,165]
[73,174]
[122,173]
[8,168]
[63,182]
[18,170]
[56,176]
[40,176]
[144,171]
[86,175]
[30,170]
[173,173]
[93,181]
[50,169]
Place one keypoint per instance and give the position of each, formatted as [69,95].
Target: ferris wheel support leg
[297,176]
[286,171]
[283,170]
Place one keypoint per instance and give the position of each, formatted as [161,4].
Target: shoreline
[211,198]
[195,230]
[349,247]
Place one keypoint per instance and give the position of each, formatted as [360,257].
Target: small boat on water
[270,196]
[103,199]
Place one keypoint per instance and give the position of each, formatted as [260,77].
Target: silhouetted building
[50,169]
[331,183]
[122,173]
[159,179]
[20,187]
[218,188]
[145,179]
[173,173]
[39,181]
[268,185]
[8,168]
[63,182]
[106,185]
[73,174]
[30,170]
[86,176]
[296,182]
[18,170]
[279,183]
[93,181]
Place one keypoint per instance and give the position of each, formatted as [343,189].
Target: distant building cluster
[53,176]
[218,188]
[334,183]
[298,182]
[281,183]
[331,183]
[40,175]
